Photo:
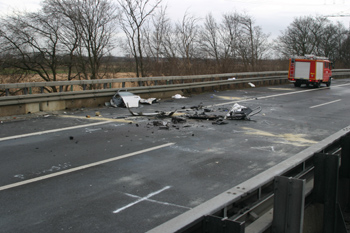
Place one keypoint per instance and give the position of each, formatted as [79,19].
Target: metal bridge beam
[288,210]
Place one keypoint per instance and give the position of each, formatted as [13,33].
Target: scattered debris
[251,84]
[233,78]
[97,113]
[202,116]
[149,101]
[178,96]
[176,120]
[239,112]
[155,114]
[219,122]
[198,107]
[159,123]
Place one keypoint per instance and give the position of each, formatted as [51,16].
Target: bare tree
[69,34]
[230,28]
[187,38]
[133,17]
[210,38]
[252,43]
[302,37]
[155,33]
[332,38]
[32,40]
[344,51]
[92,24]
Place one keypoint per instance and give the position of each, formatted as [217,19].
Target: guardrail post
[61,88]
[220,225]
[7,92]
[345,157]
[326,177]
[288,210]
[344,174]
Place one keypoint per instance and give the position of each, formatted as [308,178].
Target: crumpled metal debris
[202,116]
[160,114]
[239,112]
[125,99]
[178,119]
[220,122]
[149,101]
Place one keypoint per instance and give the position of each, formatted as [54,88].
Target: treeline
[81,38]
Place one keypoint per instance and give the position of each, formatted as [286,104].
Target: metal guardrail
[158,84]
[276,197]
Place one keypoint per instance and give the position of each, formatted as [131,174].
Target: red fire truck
[310,69]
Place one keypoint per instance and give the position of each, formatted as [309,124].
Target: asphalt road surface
[73,171]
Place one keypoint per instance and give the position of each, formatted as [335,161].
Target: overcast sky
[272,15]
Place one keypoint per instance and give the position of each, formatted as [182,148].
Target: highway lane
[103,174]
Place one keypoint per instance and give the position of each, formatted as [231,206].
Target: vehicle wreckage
[160,114]
[127,99]
[239,112]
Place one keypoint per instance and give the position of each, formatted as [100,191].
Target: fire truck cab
[310,69]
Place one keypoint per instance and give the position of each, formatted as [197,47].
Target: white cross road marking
[146,198]
[158,202]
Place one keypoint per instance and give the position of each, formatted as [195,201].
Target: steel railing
[249,206]
[103,87]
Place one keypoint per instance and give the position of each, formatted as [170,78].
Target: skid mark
[265,148]
[227,97]
[281,89]
[293,139]
[96,118]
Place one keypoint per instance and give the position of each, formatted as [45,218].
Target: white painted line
[83,167]
[276,95]
[159,202]
[316,106]
[53,131]
[141,199]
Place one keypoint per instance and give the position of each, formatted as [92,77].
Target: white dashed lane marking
[320,105]
[83,167]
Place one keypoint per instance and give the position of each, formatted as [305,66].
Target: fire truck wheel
[329,82]
[297,84]
[317,85]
